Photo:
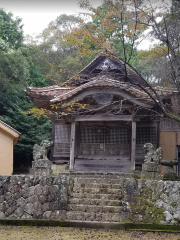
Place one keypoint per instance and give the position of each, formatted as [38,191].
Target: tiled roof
[132,75]
[165,92]
[103,82]
[41,96]
[47,91]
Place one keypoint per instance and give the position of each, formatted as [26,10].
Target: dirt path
[56,233]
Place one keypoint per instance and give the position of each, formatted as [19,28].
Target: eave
[10,131]
[127,91]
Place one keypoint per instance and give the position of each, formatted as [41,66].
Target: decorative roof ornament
[103,98]
[109,46]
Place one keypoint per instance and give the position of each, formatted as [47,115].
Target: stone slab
[151,167]
[151,175]
[42,163]
[169,172]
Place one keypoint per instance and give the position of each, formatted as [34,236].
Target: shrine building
[104,115]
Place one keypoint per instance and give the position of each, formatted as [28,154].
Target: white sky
[37,14]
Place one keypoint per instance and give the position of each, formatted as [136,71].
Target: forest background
[68,44]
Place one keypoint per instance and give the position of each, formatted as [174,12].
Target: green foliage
[36,79]
[53,55]
[17,69]
[10,29]
[143,209]
[32,130]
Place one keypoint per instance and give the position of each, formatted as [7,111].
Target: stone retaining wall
[148,201]
[31,197]
[143,201]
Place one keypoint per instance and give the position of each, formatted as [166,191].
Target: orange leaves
[39,112]
[113,21]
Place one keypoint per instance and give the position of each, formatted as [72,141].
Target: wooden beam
[103,118]
[119,92]
[133,145]
[72,145]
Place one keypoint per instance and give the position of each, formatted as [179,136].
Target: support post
[133,145]
[72,145]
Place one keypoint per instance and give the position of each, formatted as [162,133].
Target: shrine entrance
[104,141]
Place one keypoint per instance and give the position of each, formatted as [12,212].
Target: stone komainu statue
[40,151]
[152,155]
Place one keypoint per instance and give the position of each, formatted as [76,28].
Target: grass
[60,233]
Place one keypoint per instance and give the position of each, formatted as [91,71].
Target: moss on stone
[174,204]
[143,210]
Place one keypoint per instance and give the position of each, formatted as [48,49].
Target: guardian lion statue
[152,155]
[40,151]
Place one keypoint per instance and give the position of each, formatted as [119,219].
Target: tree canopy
[11,29]
[17,69]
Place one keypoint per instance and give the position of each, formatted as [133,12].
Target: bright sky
[37,14]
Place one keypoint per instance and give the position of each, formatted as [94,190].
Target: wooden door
[104,142]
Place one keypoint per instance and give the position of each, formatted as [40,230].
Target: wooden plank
[133,145]
[72,145]
[53,138]
[103,118]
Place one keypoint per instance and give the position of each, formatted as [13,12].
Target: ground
[57,233]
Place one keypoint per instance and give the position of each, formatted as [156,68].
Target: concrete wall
[6,153]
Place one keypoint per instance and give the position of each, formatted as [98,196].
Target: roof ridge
[76,90]
[8,126]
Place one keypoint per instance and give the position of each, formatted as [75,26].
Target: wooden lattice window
[92,135]
[109,135]
[62,133]
[118,135]
[146,134]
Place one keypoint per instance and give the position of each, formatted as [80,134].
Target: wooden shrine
[106,112]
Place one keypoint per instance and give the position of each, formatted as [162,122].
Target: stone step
[103,174]
[98,180]
[94,208]
[97,196]
[98,185]
[97,202]
[86,216]
[97,190]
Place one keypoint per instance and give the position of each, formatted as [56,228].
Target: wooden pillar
[133,145]
[72,145]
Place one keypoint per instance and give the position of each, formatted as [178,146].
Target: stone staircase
[96,198]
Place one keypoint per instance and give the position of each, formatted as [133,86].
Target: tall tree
[53,56]
[11,29]
[113,21]
[164,21]
[16,70]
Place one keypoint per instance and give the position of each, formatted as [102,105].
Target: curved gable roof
[134,94]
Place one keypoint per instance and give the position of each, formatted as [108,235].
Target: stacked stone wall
[141,201]
[30,197]
[151,201]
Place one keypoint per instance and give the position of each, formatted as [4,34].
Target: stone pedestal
[151,171]
[169,169]
[42,167]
